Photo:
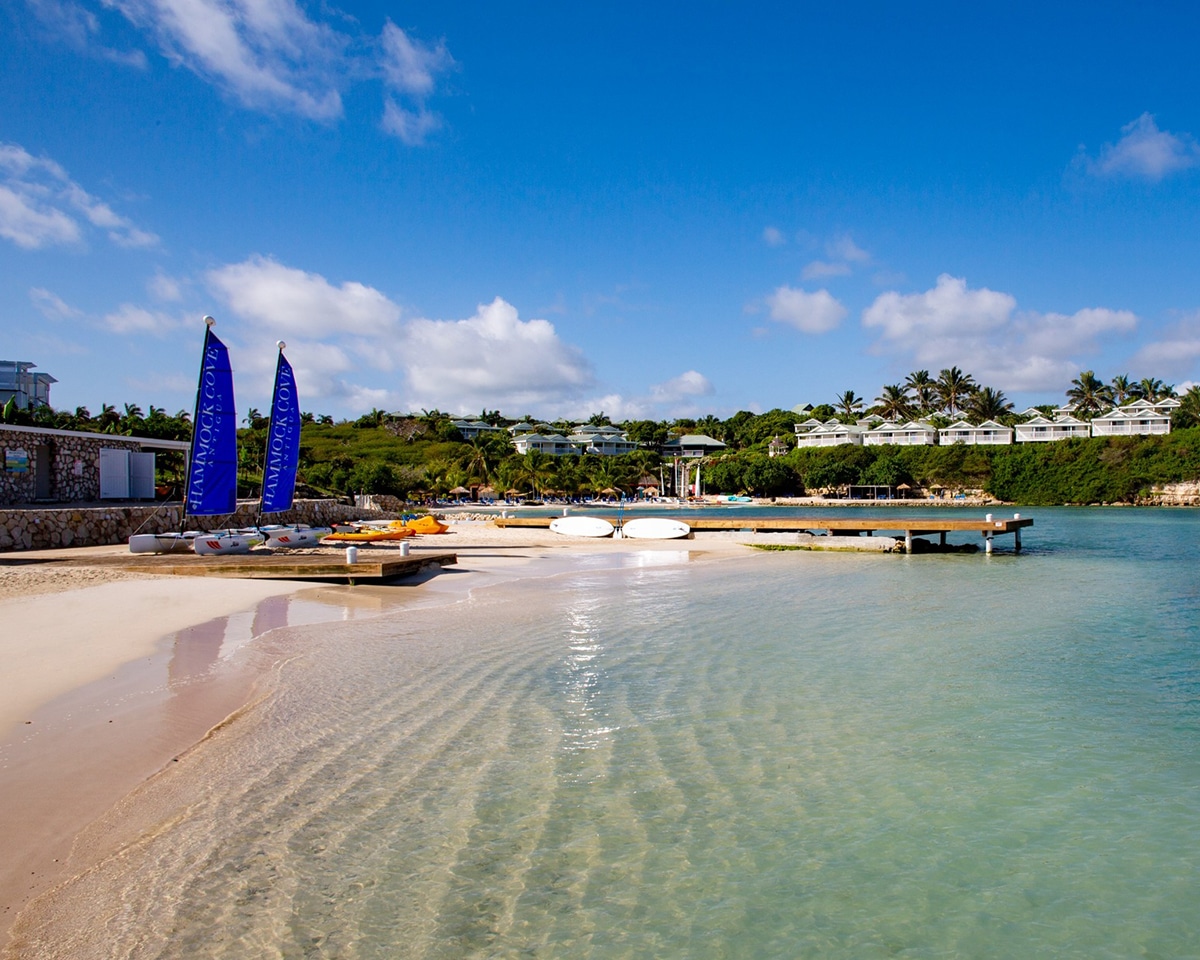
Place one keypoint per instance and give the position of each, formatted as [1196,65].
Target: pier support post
[942,539]
[908,541]
[987,542]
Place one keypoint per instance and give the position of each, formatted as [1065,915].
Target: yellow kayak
[371,536]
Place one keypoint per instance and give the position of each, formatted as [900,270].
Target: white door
[141,476]
[114,474]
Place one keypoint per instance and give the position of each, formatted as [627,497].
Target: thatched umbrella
[459,491]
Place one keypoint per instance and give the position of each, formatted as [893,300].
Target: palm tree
[988,404]
[849,403]
[1150,389]
[953,386]
[1188,412]
[536,469]
[1122,388]
[923,388]
[608,474]
[893,403]
[1089,394]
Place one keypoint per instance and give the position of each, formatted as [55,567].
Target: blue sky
[654,211]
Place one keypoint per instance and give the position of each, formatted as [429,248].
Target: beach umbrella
[460,490]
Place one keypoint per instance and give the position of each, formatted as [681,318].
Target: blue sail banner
[212,475]
[283,442]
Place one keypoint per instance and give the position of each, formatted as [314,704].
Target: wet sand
[109,677]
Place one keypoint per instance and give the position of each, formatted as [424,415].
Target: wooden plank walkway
[909,527]
[252,566]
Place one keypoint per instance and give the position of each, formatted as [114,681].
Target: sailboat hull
[290,538]
[160,543]
[210,545]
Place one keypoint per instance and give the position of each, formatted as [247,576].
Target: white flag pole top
[280,344]
[209,321]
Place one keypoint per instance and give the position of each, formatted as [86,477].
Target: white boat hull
[209,545]
[289,538]
[160,543]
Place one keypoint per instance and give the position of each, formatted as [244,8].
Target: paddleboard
[581,527]
[655,528]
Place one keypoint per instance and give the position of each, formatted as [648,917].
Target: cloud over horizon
[982,331]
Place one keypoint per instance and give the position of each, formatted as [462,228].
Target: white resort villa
[1139,418]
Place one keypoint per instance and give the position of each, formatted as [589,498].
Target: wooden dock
[988,527]
[253,566]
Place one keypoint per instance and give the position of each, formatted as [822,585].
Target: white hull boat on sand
[209,544]
[162,542]
[292,537]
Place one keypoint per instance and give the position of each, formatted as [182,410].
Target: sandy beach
[110,676]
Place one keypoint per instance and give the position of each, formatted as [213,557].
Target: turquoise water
[788,755]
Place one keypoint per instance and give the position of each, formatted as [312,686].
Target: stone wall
[42,528]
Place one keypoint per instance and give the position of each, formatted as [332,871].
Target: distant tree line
[423,454]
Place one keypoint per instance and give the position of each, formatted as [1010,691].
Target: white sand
[70,749]
[56,642]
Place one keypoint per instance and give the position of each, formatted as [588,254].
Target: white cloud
[51,306]
[819,269]
[131,319]
[983,332]
[808,312]
[841,253]
[949,309]
[40,205]
[1145,152]
[79,28]
[410,70]
[492,359]
[269,55]
[689,384]
[165,288]
[844,248]
[410,126]
[773,237]
[1173,355]
[409,66]
[284,301]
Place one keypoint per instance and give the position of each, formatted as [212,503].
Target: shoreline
[109,693]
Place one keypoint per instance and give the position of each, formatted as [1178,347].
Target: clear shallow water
[791,755]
